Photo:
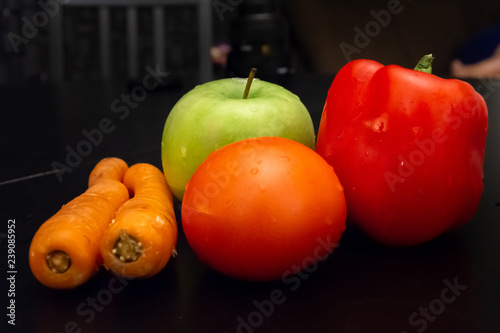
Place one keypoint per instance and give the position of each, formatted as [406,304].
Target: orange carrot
[142,238]
[108,168]
[64,252]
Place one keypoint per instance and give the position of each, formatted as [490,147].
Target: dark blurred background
[66,40]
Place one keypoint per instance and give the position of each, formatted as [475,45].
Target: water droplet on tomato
[254,171]
[285,158]
[259,162]
[253,109]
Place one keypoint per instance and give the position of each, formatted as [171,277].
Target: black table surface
[451,284]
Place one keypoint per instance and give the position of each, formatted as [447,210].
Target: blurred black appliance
[259,37]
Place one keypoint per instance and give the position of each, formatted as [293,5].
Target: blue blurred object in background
[480,46]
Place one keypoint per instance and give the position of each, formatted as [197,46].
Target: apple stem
[249,82]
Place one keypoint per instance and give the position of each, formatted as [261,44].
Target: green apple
[215,114]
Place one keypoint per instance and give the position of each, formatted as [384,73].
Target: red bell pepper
[407,146]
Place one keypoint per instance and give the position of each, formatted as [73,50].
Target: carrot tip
[127,248]
[58,261]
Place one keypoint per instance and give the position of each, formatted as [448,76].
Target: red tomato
[263,208]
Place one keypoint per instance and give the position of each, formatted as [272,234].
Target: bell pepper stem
[425,64]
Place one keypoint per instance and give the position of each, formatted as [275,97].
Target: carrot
[108,168]
[64,252]
[142,238]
